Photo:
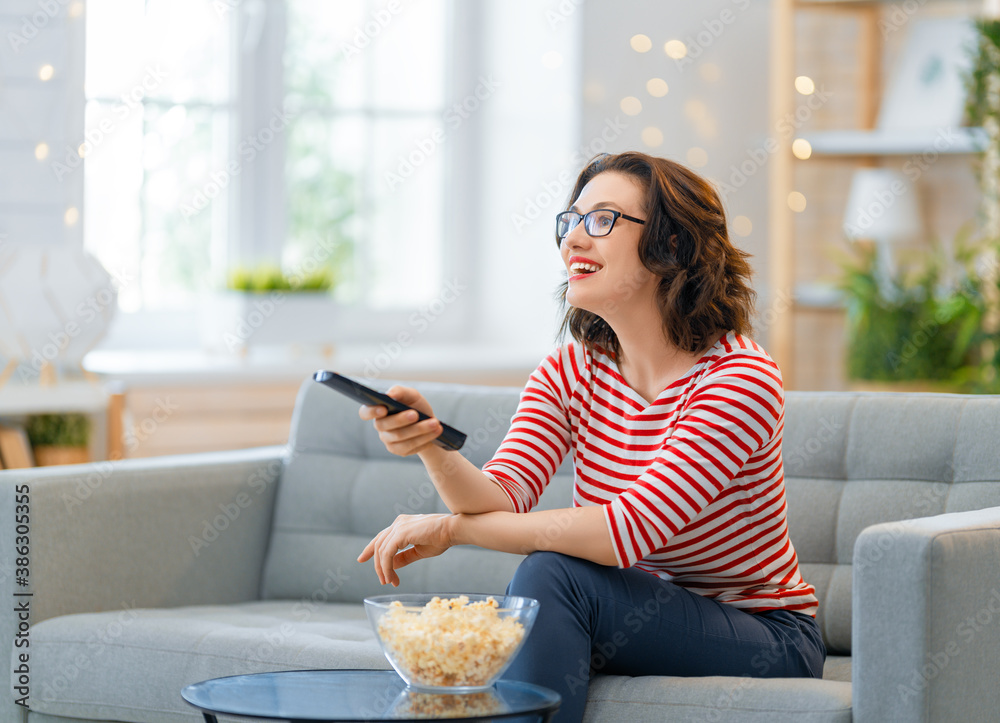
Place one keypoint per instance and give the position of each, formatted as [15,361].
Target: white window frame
[257,229]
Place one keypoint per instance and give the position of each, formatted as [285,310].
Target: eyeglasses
[598,222]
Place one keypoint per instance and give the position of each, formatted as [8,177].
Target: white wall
[717,97]
[531,132]
[34,196]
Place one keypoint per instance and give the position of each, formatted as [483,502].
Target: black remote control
[450,438]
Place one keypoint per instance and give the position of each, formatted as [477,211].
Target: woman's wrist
[455,529]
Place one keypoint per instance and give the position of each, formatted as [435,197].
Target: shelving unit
[69,397]
[859,145]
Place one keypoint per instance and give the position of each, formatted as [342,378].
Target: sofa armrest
[926,619]
[157,532]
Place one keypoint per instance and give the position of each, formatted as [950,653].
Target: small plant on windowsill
[920,329]
[264,306]
[59,438]
[268,277]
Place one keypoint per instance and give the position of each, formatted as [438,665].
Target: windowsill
[439,362]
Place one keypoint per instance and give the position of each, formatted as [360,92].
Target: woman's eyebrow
[599,204]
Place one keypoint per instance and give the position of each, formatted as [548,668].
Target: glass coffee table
[361,695]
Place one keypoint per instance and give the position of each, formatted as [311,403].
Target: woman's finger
[368,551]
[400,420]
[367,412]
[421,432]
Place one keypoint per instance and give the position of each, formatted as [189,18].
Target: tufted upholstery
[173,570]
[850,461]
[340,487]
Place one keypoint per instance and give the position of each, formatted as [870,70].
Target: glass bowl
[450,643]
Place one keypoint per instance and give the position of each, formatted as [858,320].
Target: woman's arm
[578,531]
[462,486]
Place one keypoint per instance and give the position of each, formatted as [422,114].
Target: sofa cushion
[855,460]
[724,700]
[340,487]
[132,665]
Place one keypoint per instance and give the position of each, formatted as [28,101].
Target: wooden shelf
[873,143]
[65,397]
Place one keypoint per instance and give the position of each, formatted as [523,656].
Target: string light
[641,43]
[675,49]
[742,226]
[631,105]
[652,136]
[801,148]
[657,87]
[796,202]
[805,85]
[42,151]
[46,72]
[71,216]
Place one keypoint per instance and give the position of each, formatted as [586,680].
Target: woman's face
[621,280]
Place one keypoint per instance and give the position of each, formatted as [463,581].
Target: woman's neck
[647,361]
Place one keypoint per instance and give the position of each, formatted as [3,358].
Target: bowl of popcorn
[450,644]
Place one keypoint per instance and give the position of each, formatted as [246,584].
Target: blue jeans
[599,619]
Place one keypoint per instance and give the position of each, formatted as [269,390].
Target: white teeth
[579,268]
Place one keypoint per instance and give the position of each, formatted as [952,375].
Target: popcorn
[450,642]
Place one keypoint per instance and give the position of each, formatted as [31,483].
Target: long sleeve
[539,435]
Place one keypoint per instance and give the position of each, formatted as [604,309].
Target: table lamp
[882,208]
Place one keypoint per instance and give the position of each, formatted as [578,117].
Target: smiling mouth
[579,269]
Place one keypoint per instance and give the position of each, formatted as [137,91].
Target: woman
[675,558]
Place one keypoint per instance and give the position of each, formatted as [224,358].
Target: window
[227,132]
[365,83]
[158,121]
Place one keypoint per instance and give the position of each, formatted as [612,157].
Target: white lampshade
[882,206]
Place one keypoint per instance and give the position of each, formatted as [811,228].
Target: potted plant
[265,305]
[59,438]
[923,330]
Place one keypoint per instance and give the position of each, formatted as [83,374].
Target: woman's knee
[542,571]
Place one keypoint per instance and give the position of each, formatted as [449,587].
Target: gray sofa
[148,575]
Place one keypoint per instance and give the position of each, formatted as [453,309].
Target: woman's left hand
[429,535]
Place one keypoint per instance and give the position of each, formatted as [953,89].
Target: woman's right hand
[401,433]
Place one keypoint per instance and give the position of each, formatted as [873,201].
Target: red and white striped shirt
[692,484]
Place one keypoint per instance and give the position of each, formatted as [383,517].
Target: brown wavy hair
[704,289]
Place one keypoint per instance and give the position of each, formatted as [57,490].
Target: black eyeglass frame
[582,218]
